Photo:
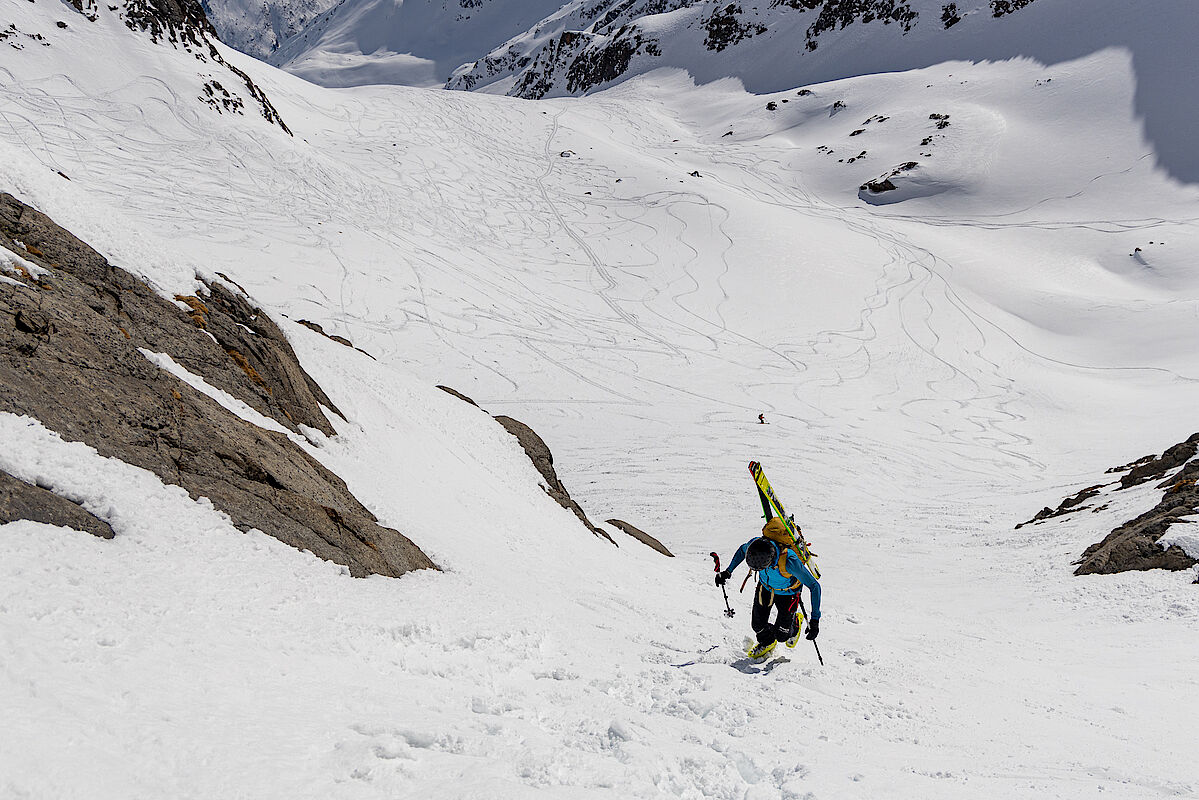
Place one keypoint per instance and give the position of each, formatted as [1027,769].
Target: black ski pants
[784,626]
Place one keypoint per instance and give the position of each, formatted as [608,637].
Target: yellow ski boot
[794,640]
[760,651]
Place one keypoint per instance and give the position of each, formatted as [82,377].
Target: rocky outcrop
[1001,8]
[839,14]
[1155,467]
[510,60]
[215,333]
[1136,544]
[341,340]
[458,394]
[597,65]
[175,21]
[725,28]
[21,500]
[878,185]
[1133,546]
[582,61]
[640,536]
[884,182]
[1069,505]
[539,453]
[593,45]
[72,338]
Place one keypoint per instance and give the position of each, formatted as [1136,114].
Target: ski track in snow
[640,329]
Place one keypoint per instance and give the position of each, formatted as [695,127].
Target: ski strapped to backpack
[784,532]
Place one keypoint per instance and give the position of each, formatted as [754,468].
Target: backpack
[776,531]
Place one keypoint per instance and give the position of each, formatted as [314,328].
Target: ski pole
[804,609]
[728,610]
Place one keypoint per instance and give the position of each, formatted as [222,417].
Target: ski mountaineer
[781,578]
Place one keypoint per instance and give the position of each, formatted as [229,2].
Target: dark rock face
[878,186]
[539,453]
[313,326]
[1000,8]
[173,20]
[1156,468]
[69,357]
[640,536]
[1134,545]
[458,394]
[508,61]
[839,14]
[1067,506]
[85,7]
[582,61]
[883,183]
[595,66]
[577,60]
[20,500]
[257,366]
[725,28]
[265,356]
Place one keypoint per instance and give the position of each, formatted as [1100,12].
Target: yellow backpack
[776,531]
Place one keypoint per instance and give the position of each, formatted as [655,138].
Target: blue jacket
[774,580]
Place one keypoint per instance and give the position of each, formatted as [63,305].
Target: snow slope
[933,370]
[259,28]
[410,42]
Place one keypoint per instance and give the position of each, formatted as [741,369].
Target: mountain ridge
[544,48]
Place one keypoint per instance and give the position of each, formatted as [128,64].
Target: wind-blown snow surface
[933,371]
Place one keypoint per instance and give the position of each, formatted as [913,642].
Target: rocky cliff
[592,44]
[93,353]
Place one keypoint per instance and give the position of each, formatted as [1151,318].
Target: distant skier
[781,578]
[761,419]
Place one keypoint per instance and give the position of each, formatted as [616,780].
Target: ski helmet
[761,553]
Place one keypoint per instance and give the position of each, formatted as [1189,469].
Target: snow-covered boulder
[21,500]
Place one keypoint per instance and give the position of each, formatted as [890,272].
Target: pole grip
[715,558]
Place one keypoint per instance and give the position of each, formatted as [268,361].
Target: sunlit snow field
[933,371]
